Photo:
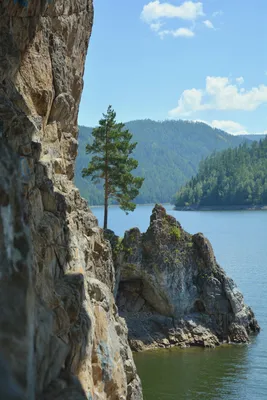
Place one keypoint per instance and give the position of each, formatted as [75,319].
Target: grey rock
[57,276]
[172,290]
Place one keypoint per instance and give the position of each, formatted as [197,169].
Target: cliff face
[173,292]
[60,333]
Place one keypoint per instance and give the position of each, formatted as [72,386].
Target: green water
[196,374]
[193,373]
[239,239]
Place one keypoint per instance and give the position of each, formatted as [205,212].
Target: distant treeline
[232,177]
[168,154]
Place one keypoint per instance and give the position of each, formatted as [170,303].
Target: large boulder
[173,292]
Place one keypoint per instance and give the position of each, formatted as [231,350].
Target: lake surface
[239,240]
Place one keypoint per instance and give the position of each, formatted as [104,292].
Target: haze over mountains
[256,137]
[168,153]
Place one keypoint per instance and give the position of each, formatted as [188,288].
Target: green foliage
[232,177]
[176,232]
[111,163]
[119,246]
[168,155]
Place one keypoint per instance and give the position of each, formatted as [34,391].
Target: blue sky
[198,60]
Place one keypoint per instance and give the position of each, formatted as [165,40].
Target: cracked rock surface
[172,292]
[60,332]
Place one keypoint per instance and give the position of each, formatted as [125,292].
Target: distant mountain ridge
[257,137]
[168,153]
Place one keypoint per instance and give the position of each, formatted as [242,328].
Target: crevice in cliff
[131,298]
[80,343]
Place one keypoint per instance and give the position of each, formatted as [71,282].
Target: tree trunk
[106,184]
[106,206]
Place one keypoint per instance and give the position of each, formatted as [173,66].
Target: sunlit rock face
[61,335]
[173,292]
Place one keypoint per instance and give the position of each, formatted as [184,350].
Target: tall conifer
[111,162]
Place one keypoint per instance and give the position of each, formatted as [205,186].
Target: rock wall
[60,333]
[173,292]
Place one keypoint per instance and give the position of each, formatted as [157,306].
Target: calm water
[239,239]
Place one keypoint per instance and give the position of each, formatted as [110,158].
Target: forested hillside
[232,177]
[168,153]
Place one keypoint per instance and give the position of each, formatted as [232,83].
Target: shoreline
[223,208]
[199,208]
[144,204]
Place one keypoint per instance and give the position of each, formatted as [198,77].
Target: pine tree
[111,162]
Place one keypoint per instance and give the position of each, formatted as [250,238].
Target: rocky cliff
[172,292]
[60,334]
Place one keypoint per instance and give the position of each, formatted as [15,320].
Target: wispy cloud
[232,127]
[181,32]
[156,26]
[217,13]
[229,126]
[208,24]
[240,80]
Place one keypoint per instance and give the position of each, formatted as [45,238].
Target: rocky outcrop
[60,333]
[173,292]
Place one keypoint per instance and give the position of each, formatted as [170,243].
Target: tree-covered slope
[168,153]
[229,178]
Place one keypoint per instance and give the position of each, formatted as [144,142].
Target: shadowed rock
[55,328]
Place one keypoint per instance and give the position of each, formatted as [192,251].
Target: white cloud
[181,32]
[220,94]
[156,26]
[229,126]
[208,24]
[232,127]
[156,10]
[240,81]
[217,13]
[190,100]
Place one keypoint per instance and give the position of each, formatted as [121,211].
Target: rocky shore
[172,292]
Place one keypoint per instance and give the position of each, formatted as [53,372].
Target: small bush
[119,246]
[176,232]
